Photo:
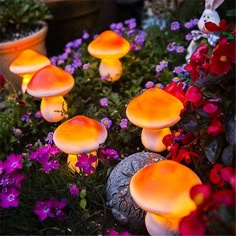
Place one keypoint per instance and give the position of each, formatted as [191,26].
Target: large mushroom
[109,47]
[51,83]
[26,64]
[155,111]
[78,135]
[162,189]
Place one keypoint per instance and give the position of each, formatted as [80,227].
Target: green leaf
[83,203]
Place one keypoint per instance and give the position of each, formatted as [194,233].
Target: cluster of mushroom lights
[109,47]
[161,189]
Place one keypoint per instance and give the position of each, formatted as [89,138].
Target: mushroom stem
[53,109]
[110,68]
[152,138]
[159,225]
[26,79]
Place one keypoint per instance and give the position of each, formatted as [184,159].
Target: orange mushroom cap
[163,188]
[28,62]
[80,134]
[50,81]
[154,109]
[109,44]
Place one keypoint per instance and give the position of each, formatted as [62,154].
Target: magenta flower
[74,190]
[1,167]
[109,153]
[13,163]
[9,198]
[57,207]
[85,162]
[43,210]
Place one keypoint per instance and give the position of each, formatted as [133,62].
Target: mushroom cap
[163,188]
[109,45]
[154,109]
[79,134]
[28,62]
[50,81]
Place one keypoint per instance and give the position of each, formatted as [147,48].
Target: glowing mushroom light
[77,135]
[50,84]
[155,111]
[26,64]
[162,190]
[109,47]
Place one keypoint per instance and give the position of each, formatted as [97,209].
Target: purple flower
[26,117]
[106,122]
[17,132]
[85,35]
[178,70]
[38,115]
[189,24]
[57,207]
[85,162]
[171,47]
[76,43]
[159,85]
[49,138]
[175,25]
[124,123]
[70,69]
[164,64]
[180,49]
[74,190]
[13,163]
[131,23]
[189,37]
[195,21]
[158,68]
[110,153]
[50,165]
[104,77]
[86,66]
[43,209]
[104,102]
[76,63]
[9,198]
[175,79]
[149,84]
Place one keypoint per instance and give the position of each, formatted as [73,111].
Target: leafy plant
[18,16]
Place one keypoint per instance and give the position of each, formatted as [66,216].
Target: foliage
[157,58]
[19,15]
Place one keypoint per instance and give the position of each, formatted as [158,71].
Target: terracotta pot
[10,50]
[70,18]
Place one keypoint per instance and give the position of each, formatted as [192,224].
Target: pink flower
[215,127]
[9,198]
[194,95]
[74,190]
[85,162]
[13,163]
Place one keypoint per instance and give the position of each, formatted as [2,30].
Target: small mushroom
[162,189]
[51,83]
[77,135]
[109,47]
[26,64]
[155,111]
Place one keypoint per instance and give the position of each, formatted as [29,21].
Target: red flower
[197,61]
[223,56]
[215,175]
[200,193]
[212,27]
[176,90]
[215,127]
[224,197]
[192,225]
[211,108]
[194,95]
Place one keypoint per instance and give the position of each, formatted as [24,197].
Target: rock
[118,197]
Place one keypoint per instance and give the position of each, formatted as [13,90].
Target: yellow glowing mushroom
[155,111]
[109,47]
[162,189]
[51,83]
[77,135]
[26,64]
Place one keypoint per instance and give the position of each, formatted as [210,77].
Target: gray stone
[118,197]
